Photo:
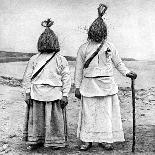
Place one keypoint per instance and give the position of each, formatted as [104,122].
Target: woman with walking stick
[47,83]
[100,118]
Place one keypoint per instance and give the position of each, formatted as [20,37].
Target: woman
[47,86]
[100,118]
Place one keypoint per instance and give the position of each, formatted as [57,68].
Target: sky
[131,24]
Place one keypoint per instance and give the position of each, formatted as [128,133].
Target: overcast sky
[131,24]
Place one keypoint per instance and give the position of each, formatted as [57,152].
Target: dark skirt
[44,124]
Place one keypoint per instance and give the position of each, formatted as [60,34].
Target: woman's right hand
[77,93]
[27,98]
[131,75]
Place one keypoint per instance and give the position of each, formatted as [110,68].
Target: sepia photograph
[77,77]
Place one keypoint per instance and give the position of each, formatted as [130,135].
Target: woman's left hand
[131,75]
[27,98]
[64,102]
[77,93]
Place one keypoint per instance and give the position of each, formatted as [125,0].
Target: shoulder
[82,50]
[61,58]
[83,46]
[34,57]
[112,47]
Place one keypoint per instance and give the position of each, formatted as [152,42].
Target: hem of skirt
[101,141]
[35,142]
[55,144]
[85,137]
[46,144]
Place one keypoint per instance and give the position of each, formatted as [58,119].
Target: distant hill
[17,56]
[129,59]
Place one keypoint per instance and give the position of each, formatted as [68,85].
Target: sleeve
[27,76]
[79,68]
[66,77]
[120,66]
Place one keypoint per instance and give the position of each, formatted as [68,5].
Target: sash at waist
[53,83]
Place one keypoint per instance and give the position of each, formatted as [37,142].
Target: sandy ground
[12,111]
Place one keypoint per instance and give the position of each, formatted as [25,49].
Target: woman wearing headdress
[47,83]
[100,118]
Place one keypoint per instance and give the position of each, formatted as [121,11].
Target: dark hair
[48,41]
[98,30]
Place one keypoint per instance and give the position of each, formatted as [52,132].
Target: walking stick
[65,123]
[134,120]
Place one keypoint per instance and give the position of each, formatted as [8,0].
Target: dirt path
[12,109]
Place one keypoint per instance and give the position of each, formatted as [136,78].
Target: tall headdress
[98,29]
[48,41]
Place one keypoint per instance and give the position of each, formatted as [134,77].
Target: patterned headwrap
[98,30]
[48,41]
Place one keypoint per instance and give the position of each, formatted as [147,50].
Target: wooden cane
[65,123]
[134,120]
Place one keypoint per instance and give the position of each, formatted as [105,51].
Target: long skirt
[44,124]
[100,120]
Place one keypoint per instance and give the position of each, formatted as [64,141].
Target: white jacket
[52,82]
[101,66]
